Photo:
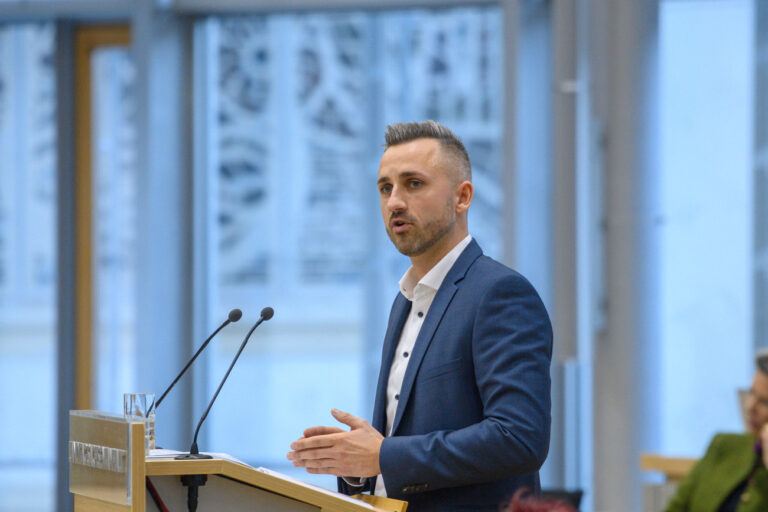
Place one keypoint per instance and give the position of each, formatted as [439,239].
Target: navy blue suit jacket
[472,423]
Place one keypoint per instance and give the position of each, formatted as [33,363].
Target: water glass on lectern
[141,407]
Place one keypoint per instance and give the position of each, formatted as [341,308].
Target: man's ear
[464,193]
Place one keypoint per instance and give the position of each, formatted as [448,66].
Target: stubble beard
[419,240]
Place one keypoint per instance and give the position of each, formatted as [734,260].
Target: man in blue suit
[462,412]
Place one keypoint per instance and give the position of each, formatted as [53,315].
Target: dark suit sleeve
[348,489]
[511,354]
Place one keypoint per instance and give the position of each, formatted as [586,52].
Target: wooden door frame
[87,39]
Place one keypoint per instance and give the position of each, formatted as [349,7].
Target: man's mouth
[399,225]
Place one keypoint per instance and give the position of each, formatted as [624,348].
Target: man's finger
[321,431]
[319,453]
[348,419]
[320,463]
[308,443]
[314,463]
[325,471]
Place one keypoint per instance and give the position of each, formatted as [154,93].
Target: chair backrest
[742,395]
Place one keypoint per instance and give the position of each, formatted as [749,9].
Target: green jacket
[728,461]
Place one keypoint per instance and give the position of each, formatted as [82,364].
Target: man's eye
[385,189]
[415,183]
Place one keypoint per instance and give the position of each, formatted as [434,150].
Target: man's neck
[424,262]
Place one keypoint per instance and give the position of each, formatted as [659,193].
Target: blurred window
[706,190]
[113,159]
[27,267]
[300,103]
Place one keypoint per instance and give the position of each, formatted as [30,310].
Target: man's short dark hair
[401,133]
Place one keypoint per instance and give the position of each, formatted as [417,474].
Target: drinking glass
[141,407]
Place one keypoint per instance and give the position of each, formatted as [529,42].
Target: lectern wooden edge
[108,470]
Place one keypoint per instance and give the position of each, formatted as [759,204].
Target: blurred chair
[742,395]
[657,496]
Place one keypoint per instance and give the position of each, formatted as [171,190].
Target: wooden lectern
[108,472]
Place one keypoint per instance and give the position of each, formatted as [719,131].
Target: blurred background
[165,161]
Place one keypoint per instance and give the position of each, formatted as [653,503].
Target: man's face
[417,194]
[757,403]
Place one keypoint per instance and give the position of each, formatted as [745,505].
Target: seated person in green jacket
[732,475]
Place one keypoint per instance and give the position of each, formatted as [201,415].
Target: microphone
[194,453]
[233,317]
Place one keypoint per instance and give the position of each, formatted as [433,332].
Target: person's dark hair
[531,503]
[762,360]
[400,133]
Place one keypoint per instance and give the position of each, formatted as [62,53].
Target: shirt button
[405,354]
[397,396]
[421,314]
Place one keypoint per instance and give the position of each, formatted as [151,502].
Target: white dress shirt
[421,295]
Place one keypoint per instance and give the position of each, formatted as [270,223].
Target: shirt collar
[434,278]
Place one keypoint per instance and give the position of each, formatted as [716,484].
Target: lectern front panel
[222,494]
[100,457]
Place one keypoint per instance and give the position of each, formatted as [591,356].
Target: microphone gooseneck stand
[193,482]
[233,317]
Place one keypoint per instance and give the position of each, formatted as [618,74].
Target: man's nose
[395,201]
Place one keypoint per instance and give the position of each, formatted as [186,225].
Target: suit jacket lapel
[397,317]
[431,321]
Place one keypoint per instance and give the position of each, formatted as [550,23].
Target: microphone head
[267,313]
[235,315]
